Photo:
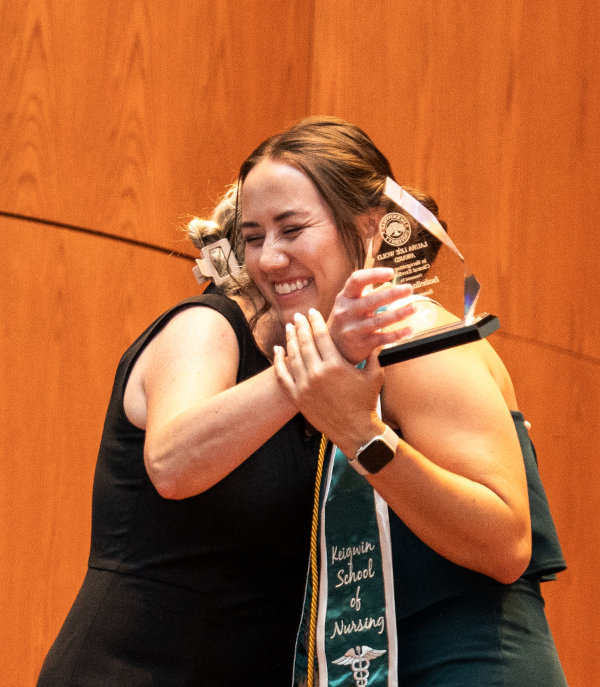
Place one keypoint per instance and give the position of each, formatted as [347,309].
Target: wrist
[363,430]
[376,452]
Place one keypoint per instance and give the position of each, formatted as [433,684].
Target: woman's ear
[369,222]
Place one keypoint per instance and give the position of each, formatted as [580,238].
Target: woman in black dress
[201,509]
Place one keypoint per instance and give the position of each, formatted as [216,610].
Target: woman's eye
[252,238]
[292,230]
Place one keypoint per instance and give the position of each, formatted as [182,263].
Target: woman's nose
[272,258]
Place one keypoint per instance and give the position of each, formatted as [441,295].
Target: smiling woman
[292,247]
[446,463]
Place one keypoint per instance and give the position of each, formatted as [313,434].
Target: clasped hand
[361,318]
[336,397]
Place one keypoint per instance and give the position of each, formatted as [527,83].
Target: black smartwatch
[376,453]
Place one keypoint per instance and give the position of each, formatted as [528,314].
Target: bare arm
[199,424]
[458,479]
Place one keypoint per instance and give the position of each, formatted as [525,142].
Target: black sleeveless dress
[203,591]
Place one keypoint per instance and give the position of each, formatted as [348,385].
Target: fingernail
[289,327]
[297,317]
[312,311]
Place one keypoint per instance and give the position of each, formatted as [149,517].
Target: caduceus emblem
[359,659]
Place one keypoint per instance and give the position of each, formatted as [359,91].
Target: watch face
[375,455]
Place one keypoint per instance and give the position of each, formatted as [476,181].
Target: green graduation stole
[356,642]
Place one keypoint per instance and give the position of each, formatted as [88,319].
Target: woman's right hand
[335,396]
[356,323]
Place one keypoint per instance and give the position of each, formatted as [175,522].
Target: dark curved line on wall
[178,254]
[552,347]
[96,232]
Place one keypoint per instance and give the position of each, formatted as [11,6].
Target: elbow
[162,475]
[516,555]
[168,489]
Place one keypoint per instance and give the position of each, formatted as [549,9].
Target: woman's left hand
[366,316]
[337,398]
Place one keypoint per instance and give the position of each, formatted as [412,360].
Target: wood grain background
[118,119]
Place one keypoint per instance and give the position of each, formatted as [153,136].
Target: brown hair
[344,164]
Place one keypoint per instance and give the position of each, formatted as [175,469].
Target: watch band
[376,453]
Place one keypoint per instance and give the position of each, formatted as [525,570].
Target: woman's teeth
[288,287]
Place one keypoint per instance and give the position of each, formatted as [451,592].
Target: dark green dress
[457,627]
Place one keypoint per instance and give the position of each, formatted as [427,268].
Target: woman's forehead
[276,186]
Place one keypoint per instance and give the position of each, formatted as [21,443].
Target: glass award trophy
[412,241]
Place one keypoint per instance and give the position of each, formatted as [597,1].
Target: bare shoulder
[196,352]
[458,388]
[193,330]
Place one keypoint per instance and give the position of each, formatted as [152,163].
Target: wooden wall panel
[71,304]
[560,394]
[120,117]
[124,116]
[492,108]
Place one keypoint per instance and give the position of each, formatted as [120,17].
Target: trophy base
[440,339]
